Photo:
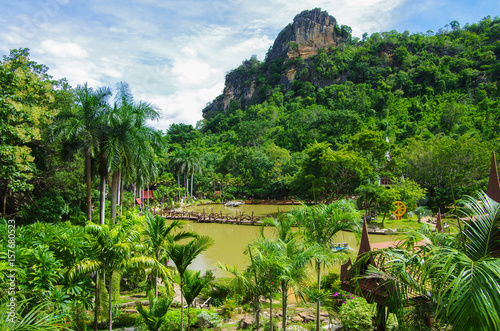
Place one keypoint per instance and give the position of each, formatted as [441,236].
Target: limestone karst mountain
[310,31]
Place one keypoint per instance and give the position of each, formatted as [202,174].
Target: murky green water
[231,240]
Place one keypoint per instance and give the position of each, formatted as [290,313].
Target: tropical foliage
[391,116]
[447,272]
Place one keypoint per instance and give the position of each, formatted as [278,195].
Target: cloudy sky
[175,54]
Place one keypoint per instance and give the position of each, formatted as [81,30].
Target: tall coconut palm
[112,250]
[183,255]
[321,224]
[157,237]
[130,141]
[175,161]
[82,126]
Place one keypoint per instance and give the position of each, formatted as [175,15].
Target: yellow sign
[400,209]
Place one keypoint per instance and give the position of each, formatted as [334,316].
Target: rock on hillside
[310,31]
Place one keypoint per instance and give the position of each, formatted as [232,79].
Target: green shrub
[230,305]
[173,319]
[356,314]
[331,282]
[125,320]
[212,318]
[220,290]
[49,208]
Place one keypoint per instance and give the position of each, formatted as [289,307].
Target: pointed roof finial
[364,245]
[439,226]
[493,190]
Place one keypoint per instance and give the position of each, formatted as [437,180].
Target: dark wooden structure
[493,190]
[372,289]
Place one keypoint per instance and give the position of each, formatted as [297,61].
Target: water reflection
[230,240]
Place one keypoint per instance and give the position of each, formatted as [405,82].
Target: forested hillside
[434,96]
[305,123]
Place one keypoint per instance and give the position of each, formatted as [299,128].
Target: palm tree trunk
[189,320]
[4,202]
[318,304]
[103,200]
[257,316]
[179,185]
[96,301]
[110,293]
[257,313]
[284,292]
[271,312]
[88,180]
[192,177]
[156,277]
[182,309]
[114,194]
[102,172]
[148,195]
[122,190]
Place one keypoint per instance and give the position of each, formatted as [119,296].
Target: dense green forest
[422,106]
[419,111]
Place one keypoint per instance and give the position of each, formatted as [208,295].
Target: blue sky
[175,54]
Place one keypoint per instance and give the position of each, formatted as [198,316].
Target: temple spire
[439,226]
[493,190]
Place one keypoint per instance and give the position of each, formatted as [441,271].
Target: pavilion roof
[493,190]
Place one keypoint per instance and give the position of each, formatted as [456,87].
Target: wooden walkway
[212,217]
[240,219]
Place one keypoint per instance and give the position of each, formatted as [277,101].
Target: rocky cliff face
[310,31]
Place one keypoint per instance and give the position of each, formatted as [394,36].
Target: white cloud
[63,49]
[191,71]
[184,106]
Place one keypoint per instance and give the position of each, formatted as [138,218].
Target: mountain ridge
[311,30]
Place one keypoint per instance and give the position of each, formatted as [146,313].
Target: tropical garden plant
[157,237]
[456,277]
[113,249]
[182,256]
[320,225]
[156,314]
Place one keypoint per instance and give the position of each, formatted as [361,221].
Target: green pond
[230,240]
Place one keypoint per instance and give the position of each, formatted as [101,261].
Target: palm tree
[369,196]
[130,141]
[112,250]
[33,319]
[158,308]
[321,224]
[193,284]
[289,254]
[158,236]
[283,226]
[292,258]
[175,160]
[82,126]
[460,278]
[258,280]
[183,255]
